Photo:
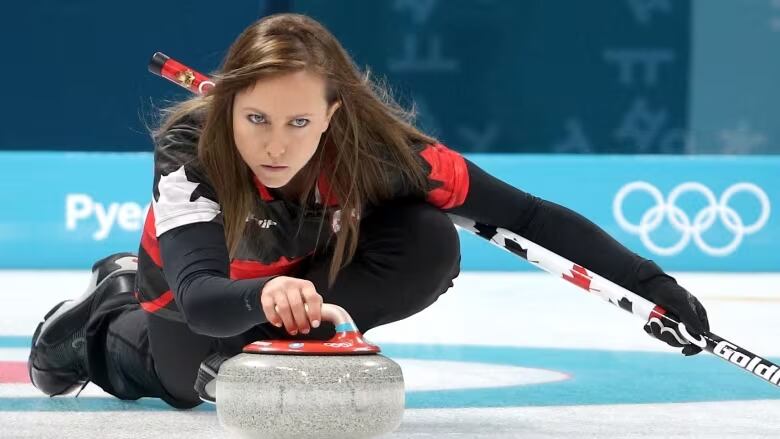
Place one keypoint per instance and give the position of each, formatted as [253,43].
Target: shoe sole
[36,336]
[210,388]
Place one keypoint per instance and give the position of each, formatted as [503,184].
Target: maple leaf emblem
[175,207]
[579,277]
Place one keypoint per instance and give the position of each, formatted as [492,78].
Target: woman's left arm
[460,187]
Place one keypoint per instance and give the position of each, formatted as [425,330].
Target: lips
[273,167]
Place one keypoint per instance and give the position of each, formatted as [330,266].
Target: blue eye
[256,118]
[299,123]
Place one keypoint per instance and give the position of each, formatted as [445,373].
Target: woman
[295,181]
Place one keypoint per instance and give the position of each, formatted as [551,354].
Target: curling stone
[340,388]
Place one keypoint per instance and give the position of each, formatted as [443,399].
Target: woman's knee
[434,242]
[426,254]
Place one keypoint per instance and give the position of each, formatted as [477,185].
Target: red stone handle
[347,341]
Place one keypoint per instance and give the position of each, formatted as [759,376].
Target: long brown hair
[366,148]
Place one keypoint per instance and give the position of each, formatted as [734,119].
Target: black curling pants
[407,255]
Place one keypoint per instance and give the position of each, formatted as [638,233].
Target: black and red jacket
[288,234]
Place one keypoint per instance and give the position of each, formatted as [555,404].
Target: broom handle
[622,298]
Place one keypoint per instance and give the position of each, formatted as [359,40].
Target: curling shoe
[206,382]
[58,355]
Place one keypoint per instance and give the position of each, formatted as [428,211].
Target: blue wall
[66,210]
[565,76]
[78,69]
[735,98]
[676,77]
[532,76]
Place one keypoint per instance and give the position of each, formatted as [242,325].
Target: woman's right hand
[292,303]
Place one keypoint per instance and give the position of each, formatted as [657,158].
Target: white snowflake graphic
[741,139]
[420,9]
[645,10]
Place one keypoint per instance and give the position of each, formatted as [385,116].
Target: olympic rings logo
[339,345]
[716,209]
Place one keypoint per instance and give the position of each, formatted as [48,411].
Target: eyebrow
[294,116]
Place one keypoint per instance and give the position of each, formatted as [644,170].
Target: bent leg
[407,256]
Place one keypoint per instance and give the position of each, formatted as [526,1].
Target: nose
[275,148]
[275,152]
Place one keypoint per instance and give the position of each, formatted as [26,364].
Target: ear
[331,111]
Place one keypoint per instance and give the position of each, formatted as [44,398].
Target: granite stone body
[322,396]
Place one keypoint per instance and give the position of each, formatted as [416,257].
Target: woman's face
[277,124]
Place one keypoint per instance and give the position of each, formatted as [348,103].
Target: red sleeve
[448,175]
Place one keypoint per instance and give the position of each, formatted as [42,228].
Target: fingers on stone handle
[284,311]
[312,305]
[298,311]
[271,310]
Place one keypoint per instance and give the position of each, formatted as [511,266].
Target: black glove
[680,305]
